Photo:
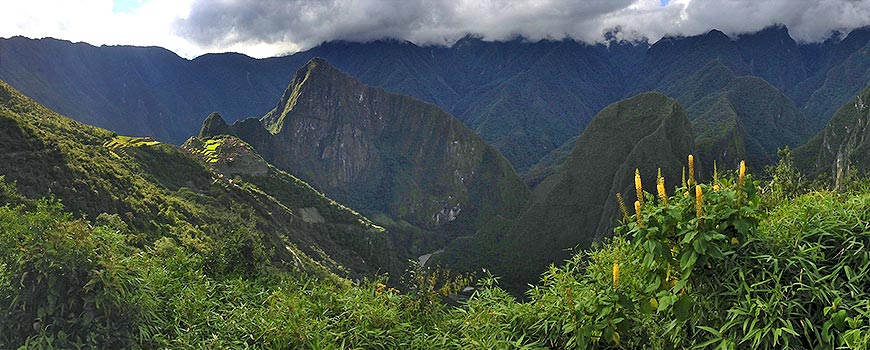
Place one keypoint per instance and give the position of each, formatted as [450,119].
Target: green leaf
[682,308]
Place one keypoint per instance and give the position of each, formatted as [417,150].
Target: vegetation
[703,266]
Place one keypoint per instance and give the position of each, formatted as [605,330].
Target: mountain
[215,196]
[843,147]
[525,98]
[577,205]
[406,163]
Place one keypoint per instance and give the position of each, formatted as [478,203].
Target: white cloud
[94,21]
[262,28]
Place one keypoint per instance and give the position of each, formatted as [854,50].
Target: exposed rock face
[843,146]
[382,153]
[577,205]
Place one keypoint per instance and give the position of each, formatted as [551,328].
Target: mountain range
[525,98]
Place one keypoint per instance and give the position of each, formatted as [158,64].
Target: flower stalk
[622,207]
[691,170]
[638,213]
[638,186]
[615,274]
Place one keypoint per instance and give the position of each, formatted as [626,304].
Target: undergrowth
[712,265]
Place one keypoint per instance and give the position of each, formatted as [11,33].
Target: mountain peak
[317,81]
[214,124]
[775,31]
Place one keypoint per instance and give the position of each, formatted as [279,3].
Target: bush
[64,284]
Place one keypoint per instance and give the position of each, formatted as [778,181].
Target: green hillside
[405,163]
[576,205]
[157,190]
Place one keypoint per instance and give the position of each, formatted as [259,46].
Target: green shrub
[64,284]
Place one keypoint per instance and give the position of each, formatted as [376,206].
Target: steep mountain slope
[843,146]
[841,83]
[577,205]
[671,62]
[214,205]
[401,161]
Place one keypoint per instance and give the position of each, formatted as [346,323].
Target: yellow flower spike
[663,195]
[735,241]
[742,176]
[638,186]
[615,274]
[622,207]
[638,213]
[691,170]
[699,201]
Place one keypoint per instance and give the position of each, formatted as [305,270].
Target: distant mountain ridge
[402,161]
[525,98]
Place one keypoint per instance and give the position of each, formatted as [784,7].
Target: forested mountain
[404,162]
[215,196]
[525,98]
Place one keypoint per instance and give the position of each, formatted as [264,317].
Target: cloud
[263,28]
[96,22]
[293,25]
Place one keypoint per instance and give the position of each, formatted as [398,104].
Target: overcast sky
[263,28]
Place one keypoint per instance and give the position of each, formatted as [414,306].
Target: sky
[265,28]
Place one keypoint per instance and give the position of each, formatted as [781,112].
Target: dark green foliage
[63,283]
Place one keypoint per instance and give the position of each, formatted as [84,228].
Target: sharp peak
[317,64]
